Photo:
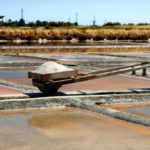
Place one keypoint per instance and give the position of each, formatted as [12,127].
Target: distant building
[1,20]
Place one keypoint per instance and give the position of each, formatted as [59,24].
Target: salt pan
[51,67]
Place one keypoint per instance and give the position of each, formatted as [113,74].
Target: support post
[144,72]
[133,71]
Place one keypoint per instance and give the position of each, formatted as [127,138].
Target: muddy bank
[5,90]
[21,87]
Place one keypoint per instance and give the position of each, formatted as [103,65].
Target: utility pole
[94,21]
[77,17]
[22,21]
[22,13]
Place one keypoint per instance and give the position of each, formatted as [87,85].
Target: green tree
[21,22]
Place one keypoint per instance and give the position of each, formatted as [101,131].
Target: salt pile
[51,67]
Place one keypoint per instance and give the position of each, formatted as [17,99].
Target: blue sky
[61,10]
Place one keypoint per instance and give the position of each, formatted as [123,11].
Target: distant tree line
[112,24]
[46,24]
[119,24]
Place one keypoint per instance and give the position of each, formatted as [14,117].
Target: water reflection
[59,120]
[12,74]
[143,110]
[50,43]
[67,129]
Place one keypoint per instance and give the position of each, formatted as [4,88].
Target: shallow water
[5,59]
[67,129]
[139,110]
[12,74]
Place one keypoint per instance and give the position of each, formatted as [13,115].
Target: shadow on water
[40,94]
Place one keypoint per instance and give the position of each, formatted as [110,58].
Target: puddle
[144,110]
[12,74]
[67,129]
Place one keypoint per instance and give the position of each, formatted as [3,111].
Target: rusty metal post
[144,73]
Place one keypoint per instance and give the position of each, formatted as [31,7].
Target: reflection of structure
[1,20]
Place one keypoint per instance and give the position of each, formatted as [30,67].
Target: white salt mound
[51,67]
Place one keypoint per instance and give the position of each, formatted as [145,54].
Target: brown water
[74,129]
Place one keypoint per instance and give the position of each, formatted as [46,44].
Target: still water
[62,129]
[12,74]
[145,110]
[10,60]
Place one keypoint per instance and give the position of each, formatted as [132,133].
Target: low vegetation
[81,33]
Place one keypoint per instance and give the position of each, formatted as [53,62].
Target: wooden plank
[53,76]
